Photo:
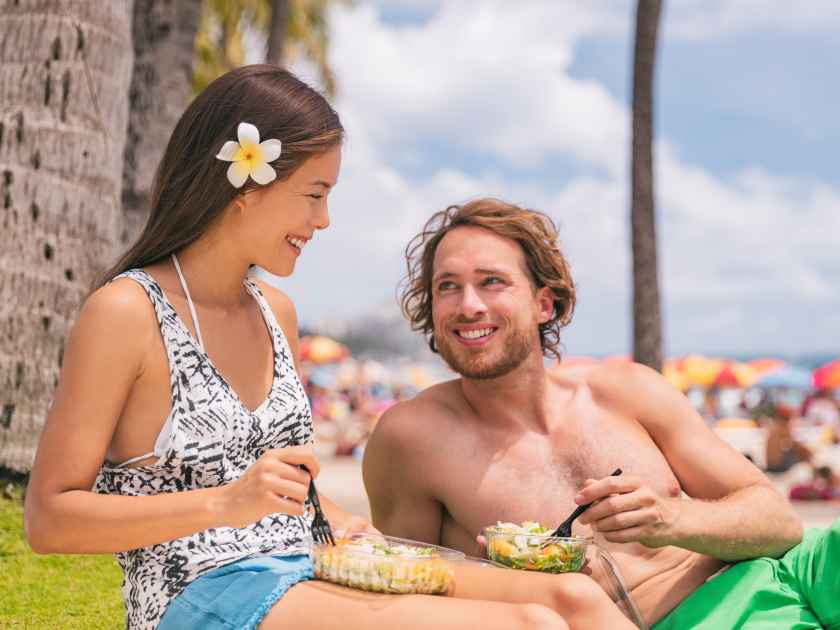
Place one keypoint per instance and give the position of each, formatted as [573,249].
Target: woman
[180,405]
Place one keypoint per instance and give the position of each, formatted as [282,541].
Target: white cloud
[493,77]
[481,74]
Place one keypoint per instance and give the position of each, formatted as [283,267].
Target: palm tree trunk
[65,68]
[163,33]
[647,319]
[277,31]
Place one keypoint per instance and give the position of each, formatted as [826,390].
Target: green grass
[78,592]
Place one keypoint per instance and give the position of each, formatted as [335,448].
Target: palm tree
[293,28]
[220,44]
[647,318]
[277,31]
[66,69]
[307,36]
[163,33]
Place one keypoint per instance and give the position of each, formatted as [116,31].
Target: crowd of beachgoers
[784,417]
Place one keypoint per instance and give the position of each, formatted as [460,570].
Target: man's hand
[626,509]
[345,523]
[353,524]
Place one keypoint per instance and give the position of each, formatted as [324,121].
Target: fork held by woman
[321,530]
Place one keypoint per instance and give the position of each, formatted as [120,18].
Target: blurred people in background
[783,451]
[711,403]
[823,486]
[822,409]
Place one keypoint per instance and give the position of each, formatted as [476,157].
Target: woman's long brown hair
[191,188]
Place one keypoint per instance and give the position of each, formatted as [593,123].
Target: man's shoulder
[434,404]
[405,443]
[414,420]
[612,381]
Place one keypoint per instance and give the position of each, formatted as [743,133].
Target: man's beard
[517,347]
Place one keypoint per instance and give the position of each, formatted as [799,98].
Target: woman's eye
[492,280]
[316,196]
[445,286]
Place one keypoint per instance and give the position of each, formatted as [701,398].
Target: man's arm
[400,501]
[734,513]
[343,522]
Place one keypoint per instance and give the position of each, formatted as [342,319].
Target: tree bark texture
[65,68]
[163,32]
[647,319]
[277,31]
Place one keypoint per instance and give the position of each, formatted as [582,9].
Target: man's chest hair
[537,477]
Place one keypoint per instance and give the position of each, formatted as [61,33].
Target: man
[514,441]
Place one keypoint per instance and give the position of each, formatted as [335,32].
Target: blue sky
[446,100]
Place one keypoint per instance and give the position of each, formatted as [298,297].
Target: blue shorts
[236,596]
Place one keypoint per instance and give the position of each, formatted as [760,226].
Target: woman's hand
[274,483]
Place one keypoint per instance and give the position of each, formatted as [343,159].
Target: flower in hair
[249,156]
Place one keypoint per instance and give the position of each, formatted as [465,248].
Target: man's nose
[471,302]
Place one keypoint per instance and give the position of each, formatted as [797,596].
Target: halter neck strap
[189,301]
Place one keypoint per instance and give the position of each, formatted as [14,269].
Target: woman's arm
[104,358]
[286,316]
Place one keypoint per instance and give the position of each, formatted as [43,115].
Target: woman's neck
[213,273]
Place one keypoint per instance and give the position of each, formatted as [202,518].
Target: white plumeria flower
[249,156]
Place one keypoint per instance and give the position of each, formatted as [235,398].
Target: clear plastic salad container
[529,546]
[385,564]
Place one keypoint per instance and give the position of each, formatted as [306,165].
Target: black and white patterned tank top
[212,439]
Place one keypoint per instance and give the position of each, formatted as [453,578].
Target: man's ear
[545,299]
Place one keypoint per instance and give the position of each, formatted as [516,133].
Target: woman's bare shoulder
[118,313]
[123,299]
[281,305]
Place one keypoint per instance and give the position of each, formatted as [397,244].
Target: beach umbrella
[827,376]
[790,376]
[699,370]
[734,374]
[762,366]
[672,373]
[319,350]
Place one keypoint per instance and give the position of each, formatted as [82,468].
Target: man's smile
[475,335]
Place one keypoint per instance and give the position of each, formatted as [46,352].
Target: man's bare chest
[534,477]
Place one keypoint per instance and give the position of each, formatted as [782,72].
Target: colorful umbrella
[790,376]
[699,370]
[828,376]
[762,366]
[671,371]
[733,374]
[319,350]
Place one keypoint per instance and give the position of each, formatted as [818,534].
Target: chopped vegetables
[385,565]
[528,546]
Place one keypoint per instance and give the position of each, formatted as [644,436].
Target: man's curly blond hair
[535,233]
